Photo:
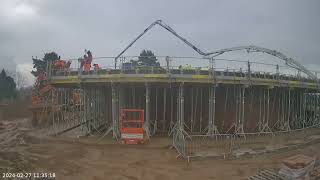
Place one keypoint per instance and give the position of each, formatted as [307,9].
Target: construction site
[203,107]
[191,99]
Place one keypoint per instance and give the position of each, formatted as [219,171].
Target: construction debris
[267,174]
[297,167]
[315,174]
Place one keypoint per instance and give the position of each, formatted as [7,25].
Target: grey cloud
[106,27]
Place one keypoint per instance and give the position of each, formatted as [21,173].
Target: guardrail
[223,145]
[183,65]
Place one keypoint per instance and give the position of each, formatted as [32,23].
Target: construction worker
[87,60]
[96,67]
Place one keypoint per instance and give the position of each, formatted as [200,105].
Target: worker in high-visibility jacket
[87,60]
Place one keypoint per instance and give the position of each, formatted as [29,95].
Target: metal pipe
[214,108]
[164,108]
[268,105]
[243,103]
[114,112]
[210,122]
[196,105]
[289,110]
[200,126]
[191,117]
[147,108]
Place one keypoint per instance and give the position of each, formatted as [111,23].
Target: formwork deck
[219,78]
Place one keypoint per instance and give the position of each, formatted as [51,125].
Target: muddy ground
[24,149]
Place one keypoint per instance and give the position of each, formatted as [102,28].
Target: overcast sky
[33,27]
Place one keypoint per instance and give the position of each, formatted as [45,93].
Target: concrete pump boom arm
[289,61]
[168,28]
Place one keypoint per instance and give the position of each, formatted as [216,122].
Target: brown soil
[22,149]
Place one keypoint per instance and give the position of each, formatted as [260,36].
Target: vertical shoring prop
[179,138]
[260,110]
[265,127]
[212,129]
[300,108]
[155,124]
[115,109]
[225,105]
[296,108]
[171,125]
[180,109]
[283,123]
[84,123]
[289,111]
[279,106]
[317,109]
[242,89]
[64,107]
[81,108]
[147,123]
[196,106]
[304,110]
[200,125]
[314,105]
[60,102]
[181,91]
[191,117]
[53,107]
[234,124]
[264,109]
[164,108]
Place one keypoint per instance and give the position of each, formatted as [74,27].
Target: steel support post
[265,126]
[200,125]
[181,108]
[212,129]
[260,111]
[115,111]
[164,109]
[304,110]
[171,125]
[192,109]
[283,112]
[243,112]
[300,108]
[317,109]
[239,125]
[195,114]
[314,109]
[289,110]
[155,124]
[147,122]
[279,107]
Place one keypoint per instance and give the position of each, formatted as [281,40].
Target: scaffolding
[201,108]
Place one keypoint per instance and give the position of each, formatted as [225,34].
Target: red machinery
[132,122]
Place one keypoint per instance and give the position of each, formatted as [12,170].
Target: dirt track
[87,158]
